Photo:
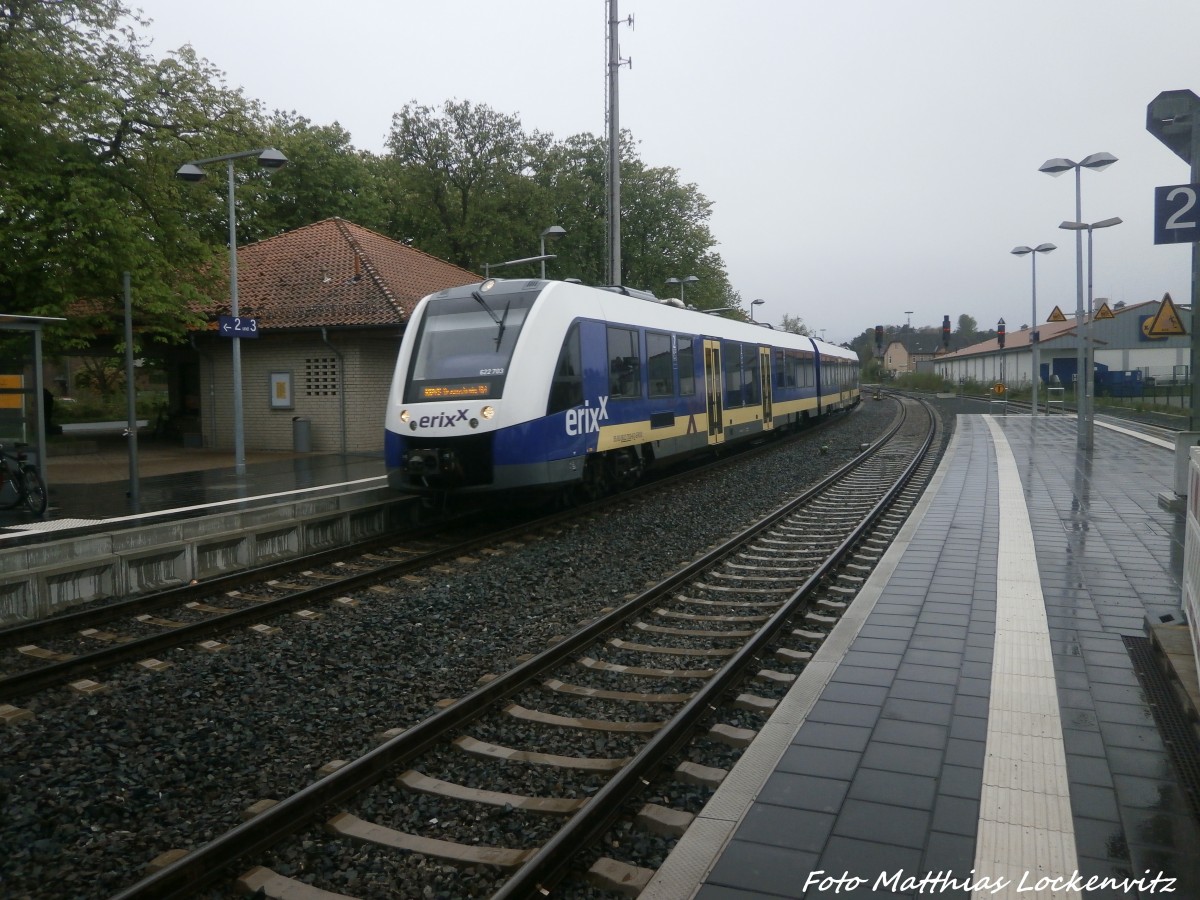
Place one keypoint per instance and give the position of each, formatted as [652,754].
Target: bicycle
[22,478]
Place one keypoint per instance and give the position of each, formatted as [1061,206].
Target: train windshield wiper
[491,312]
[503,319]
[499,320]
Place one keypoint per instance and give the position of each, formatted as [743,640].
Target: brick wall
[347,382]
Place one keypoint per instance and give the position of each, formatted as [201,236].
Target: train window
[781,369]
[566,386]
[659,364]
[624,363]
[795,369]
[464,347]
[750,374]
[687,365]
[731,356]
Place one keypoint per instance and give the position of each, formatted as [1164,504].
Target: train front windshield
[465,346]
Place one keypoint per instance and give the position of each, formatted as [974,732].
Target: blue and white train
[524,384]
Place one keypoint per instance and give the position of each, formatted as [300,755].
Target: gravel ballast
[95,787]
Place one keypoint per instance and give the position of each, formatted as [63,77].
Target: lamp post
[1099,162]
[554,232]
[690,279]
[268,158]
[487,267]
[1000,340]
[1033,334]
[1086,409]
[753,304]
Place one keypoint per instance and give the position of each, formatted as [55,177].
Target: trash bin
[301,434]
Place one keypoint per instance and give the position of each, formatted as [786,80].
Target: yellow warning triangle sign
[1166,322]
[1104,312]
[1056,315]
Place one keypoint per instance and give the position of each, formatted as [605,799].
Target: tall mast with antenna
[614,143]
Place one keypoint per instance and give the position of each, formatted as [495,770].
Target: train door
[764,378]
[715,385]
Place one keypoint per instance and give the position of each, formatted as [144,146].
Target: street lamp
[1000,341]
[1055,167]
[1087,411]
[1033,334]
[268,158]
[690,279]
[554,232]
[753,304]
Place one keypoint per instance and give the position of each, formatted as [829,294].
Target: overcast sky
[864,158]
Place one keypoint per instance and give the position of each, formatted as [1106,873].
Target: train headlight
[404,415]
[487,412]
[474,423]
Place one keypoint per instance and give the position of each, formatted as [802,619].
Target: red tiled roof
[336,273]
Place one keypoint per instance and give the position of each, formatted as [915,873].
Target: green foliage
[469,185]
[111,408]
[795,325]
[325,177]
[93,129]
[922,381]
[458,181]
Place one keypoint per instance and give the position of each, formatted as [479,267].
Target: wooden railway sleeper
[732,576]
[484,750]
[726,604]
[355,828]
[744,589]
[424,784]
[676,614]
[691,632]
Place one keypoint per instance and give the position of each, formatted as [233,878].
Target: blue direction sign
[1176,214]
[237,327]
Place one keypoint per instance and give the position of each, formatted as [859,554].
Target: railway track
[68,648]
[561,745]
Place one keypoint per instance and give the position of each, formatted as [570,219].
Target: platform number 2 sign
[1176,214]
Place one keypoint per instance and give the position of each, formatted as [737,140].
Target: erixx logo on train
[444,420]
[587,419]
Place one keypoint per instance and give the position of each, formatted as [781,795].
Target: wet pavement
[985,714]
[95,485]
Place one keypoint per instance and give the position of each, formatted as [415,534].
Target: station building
[1123,343]
[331,301]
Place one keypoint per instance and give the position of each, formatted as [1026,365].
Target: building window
[320,377]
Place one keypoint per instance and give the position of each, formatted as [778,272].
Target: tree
[325,176]
[967,328]
[91,131]
[468,184]
[795,325]
[459,180]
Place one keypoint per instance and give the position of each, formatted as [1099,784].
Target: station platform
[90,490]
[979,723]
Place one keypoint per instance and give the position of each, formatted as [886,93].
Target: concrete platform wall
[48,578]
